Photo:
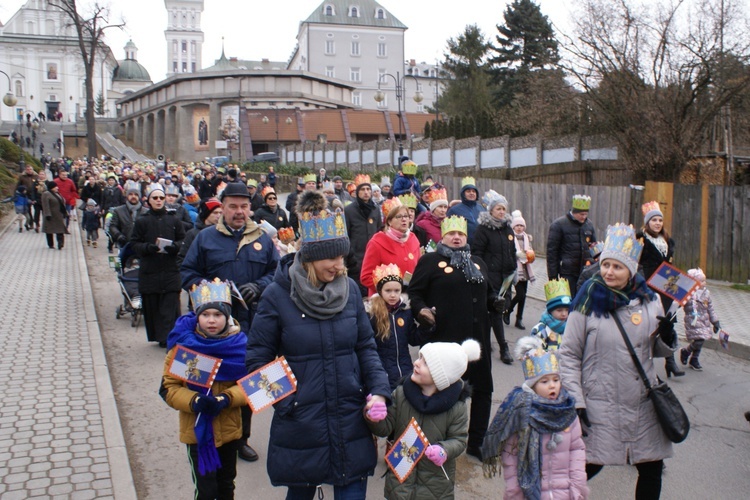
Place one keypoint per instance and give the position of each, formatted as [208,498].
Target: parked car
[269,156]
[219,161]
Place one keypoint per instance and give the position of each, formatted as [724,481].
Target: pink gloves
[378,411]
[436,454]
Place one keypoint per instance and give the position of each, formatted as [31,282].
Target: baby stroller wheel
[136,318]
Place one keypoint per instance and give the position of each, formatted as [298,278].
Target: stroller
[126,266]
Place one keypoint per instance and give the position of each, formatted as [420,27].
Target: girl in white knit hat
[436,397]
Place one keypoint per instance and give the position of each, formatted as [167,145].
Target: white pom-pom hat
[447,361]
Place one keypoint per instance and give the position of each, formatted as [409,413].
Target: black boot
[694,363]
[506,317]
[684,355]
[247,453]
[519,324]
[671,367]
[505,356]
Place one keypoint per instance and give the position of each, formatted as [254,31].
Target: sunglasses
[271,198]
[158,198]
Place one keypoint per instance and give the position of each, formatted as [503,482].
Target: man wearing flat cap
[235,249]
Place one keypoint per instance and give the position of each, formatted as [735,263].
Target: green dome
[129,70]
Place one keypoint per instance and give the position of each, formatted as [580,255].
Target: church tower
[184,36]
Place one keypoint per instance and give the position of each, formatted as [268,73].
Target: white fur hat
[447,361]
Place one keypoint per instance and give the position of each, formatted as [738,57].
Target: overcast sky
[257,29]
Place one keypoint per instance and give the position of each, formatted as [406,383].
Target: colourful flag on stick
[724,339]
[407,451]
[675,284]
[194,367]
[269,384]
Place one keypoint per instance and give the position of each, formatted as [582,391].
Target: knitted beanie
[207,207]
[447,361]
[222,307]
[517,219]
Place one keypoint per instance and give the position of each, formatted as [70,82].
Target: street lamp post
[400,94]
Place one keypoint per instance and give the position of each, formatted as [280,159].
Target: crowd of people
[345,280]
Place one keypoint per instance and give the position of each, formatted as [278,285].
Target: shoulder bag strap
[633,355]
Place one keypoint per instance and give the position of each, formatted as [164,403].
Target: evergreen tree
[467,91]
[427,130]
[100,106]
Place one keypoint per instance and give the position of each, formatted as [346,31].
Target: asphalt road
[714,462]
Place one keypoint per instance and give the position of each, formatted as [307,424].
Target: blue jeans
[352,491]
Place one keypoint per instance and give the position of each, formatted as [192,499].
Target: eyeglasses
[403,216]
[271,198]
[158,198]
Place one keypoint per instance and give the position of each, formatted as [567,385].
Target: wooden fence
[710,224]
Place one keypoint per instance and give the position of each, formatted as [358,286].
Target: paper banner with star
[193,367]
[269,384]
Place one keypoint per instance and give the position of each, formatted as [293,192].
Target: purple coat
[700,316]
[563,469]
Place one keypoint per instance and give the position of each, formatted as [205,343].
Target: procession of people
[341,285]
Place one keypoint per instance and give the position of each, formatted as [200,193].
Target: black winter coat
[122,222]
[652,258]
[362,222]
[497,248]
[568,246]
[461,307]
[318,434]
[189,237]
[277,219]
[158,271]
[111,197]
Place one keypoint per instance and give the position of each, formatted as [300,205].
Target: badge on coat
[442,264]
[400,321]
[257,246]
[510,237]
[448,270]
[636,318]
[370,221]
[411,256]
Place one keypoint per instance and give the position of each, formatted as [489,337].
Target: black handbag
[672,417]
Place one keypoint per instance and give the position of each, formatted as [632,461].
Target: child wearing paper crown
[436,397]
[393,323]
[700,317]
[551,326]
[213,439]
[537,433]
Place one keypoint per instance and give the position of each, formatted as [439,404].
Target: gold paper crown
[361,179]
[210,291]
[622,245]
[436,194]
[252,183]
[453,223]
[466,181]
[309,178]
[581,202]
[408,200]
[325,225]
[286,235]
[387,272]
[389,205]
[649,206]
[539,364]
[556,288]
[266,190]
[409,167]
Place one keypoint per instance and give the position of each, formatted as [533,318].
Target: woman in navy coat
[313,315]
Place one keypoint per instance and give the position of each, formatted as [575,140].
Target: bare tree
[89,29]
[655,76]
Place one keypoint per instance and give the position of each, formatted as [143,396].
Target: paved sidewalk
[732,306]
[60,434]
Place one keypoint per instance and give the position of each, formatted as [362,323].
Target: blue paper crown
[540,365]
[325,225]
[621,243]
[206,292]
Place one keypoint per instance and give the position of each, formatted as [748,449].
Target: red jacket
[68,190]
[382,249]
[431,224]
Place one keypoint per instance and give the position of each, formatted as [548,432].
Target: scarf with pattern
[461,259]
[597,298]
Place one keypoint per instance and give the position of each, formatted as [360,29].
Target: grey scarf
[461,259]
[134,209]
[319,303]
